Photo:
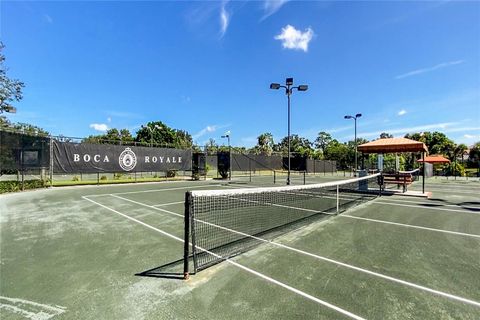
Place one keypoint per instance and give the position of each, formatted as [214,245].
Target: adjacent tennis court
[116,252]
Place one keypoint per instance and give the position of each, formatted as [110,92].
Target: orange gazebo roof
[435,159]
[393,145]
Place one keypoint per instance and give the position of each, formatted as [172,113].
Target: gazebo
[434,159]
[396,145]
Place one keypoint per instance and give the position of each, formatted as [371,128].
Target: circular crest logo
[127,159]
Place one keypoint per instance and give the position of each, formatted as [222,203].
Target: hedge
[14,186]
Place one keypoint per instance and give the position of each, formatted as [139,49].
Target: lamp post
[151,132]
[358,115]
[227,135]
[288,91]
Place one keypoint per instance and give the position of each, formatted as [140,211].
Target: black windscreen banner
[92,158]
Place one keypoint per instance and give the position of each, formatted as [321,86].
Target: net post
[304,177]
[274,177]
[186,237]
[338,199]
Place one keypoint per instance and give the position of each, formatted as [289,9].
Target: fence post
[51,160]
[98,178]
[250,168]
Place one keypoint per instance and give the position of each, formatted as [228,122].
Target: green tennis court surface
[74,253]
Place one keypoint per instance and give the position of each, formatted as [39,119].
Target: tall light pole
[358,115]
[288,91]
[151,132]
[227,135]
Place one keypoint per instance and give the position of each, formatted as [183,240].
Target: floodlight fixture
[289,82]
[275,86]
[358,115]
[303,87]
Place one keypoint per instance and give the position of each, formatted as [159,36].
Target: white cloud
[109,119]
[272,6]
[204,131]
[295,39]
[468,136]
[224,19]
[430,69]
[402,112]
[99,127]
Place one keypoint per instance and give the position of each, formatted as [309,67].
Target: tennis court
[86,253]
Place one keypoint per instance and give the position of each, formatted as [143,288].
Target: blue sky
[206,66]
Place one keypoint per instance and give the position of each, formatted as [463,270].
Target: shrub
[171,173]
[14,186]
[103,178]
[222,170]
[454,169]
[117,176]
[75,178]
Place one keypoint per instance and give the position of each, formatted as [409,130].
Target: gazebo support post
[423,173]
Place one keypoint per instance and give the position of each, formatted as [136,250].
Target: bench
[400,179]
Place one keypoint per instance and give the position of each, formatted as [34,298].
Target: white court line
[380,275]
[19,306]
[258,274]
[156,190]
[411,226]
[168,204]
[421,207]
[430,202]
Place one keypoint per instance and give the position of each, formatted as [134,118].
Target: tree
[338,152]
[158,133]
[111,136]
[211,147]
[10,89]
[265,144]
[436,142]
[474,156]
[298,145]
[126,135]
[385,135]
[322,141]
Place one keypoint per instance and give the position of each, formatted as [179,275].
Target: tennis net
[220,224]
